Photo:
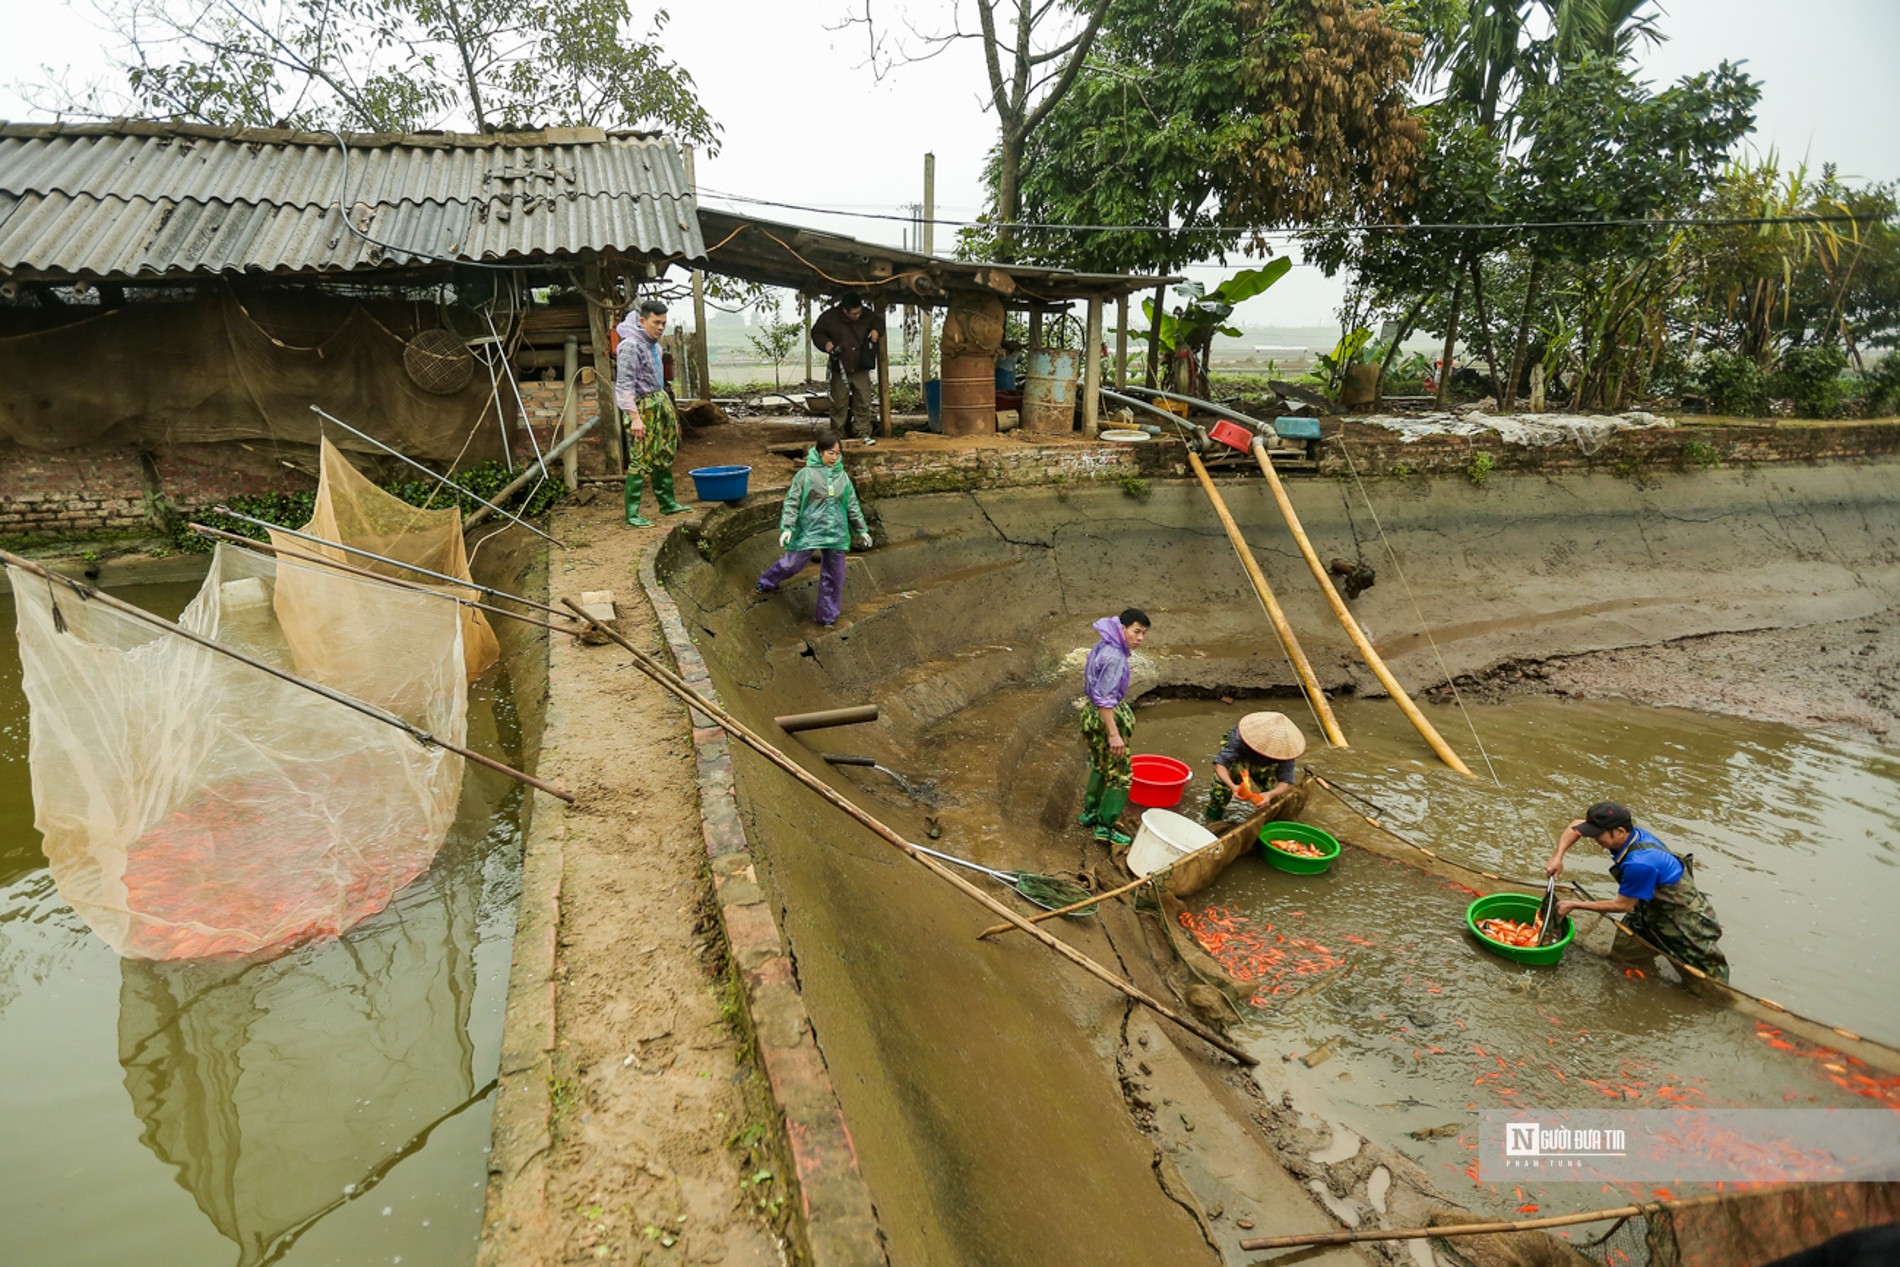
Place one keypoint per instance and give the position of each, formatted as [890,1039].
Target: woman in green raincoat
[821,513]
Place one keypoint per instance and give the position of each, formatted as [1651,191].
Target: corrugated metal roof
[142,200]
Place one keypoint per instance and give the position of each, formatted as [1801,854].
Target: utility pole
[702,371]
[924,323]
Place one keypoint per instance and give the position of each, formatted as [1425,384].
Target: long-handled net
[1050,892]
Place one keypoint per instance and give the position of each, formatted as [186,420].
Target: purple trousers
[830,578]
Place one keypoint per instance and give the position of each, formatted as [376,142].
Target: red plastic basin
[1232,436]
[1159,781]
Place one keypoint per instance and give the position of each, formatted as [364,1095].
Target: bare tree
[387,66]
[1032,52]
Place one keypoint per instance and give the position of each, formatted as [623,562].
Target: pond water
[331,1105]
[1367,971]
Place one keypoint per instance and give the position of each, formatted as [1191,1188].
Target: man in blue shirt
[1655,889]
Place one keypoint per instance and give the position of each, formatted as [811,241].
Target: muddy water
[328,1106]
[1796,833]
[1414,1028]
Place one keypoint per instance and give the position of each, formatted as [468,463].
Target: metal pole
[564,450]
[298,556]
[440,479]
[462,581]
[89,594]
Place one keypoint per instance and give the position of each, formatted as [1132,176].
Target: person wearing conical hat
[1264,747]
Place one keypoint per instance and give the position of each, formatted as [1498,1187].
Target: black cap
[1604,816]
[850,299]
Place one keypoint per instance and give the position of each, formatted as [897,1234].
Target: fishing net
[193,805]
[334,629]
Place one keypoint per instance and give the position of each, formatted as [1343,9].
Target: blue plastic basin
[720,483]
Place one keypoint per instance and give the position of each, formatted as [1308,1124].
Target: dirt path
[653,1102]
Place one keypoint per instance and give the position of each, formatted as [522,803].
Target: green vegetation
[1136,487]
[1479,468]
[1700,453]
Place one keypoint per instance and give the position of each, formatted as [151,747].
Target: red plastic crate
[1233,436]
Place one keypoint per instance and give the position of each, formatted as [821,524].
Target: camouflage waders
[1109,776]
[1680,920]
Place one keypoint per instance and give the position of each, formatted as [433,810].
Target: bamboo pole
[1481,1229]
[678,687]
[1288,639]
[248,543]
[1353,631]
[90,594]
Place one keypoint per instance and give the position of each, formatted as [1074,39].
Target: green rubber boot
[1108,817]
[1092,798]
[663,491]
[636,484]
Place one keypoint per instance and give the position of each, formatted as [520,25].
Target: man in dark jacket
[847,334]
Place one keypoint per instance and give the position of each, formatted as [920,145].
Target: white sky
[806,122]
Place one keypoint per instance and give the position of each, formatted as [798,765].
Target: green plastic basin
[1292,862]
[1523,909]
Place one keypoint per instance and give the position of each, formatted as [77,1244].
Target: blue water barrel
[933,403]
[1006,378]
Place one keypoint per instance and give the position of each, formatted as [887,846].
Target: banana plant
[1188,335]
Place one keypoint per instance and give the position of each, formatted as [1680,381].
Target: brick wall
[106,491]
[543,403]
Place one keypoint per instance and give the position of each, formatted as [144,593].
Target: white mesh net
[193,805]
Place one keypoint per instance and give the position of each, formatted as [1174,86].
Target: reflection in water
[267,1097]
[278,1089]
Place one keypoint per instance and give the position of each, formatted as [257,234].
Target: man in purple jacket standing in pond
[1108,723]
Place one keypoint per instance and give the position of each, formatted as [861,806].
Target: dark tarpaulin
[223,368]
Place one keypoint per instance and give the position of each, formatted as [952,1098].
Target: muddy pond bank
[963,627]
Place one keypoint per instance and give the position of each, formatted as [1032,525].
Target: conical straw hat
[1272,735]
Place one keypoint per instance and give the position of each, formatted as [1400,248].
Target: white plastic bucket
[1163,837]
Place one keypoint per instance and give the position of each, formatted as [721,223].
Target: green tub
[1516,906]
[1293,863]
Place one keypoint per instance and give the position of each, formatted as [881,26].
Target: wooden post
[1154,338]
[1121,343]
[702,368]
[1035,333]
[570,410]
[804,319]
[1346,620]
[1092,372]
[883,374]
[599,323]
[1288,640]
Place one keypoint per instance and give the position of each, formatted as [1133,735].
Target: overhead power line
[1488,226]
